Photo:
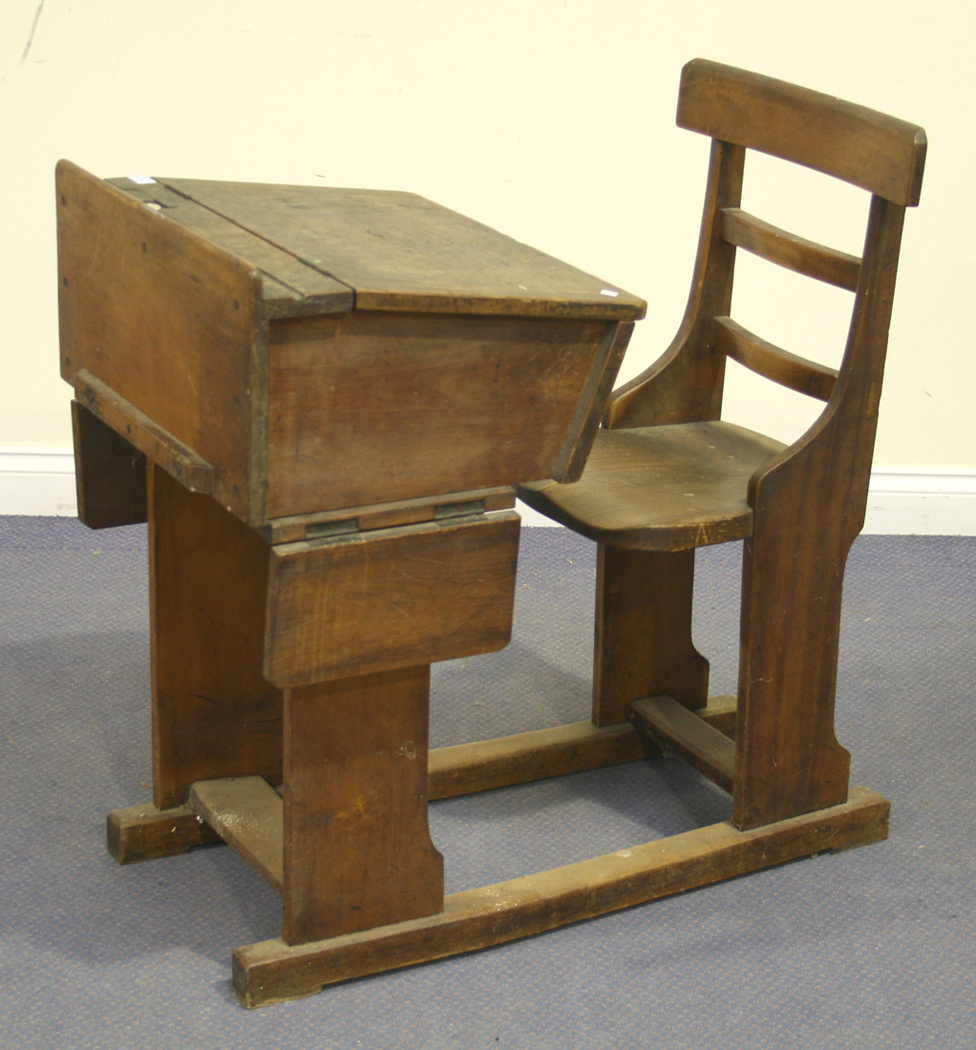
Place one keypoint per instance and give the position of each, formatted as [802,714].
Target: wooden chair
[666,475]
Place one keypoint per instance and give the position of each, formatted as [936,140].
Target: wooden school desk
[321,400]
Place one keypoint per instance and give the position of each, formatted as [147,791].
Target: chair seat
[660,488]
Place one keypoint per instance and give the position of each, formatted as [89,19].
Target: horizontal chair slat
[869,149]
[772,362]
[785,249]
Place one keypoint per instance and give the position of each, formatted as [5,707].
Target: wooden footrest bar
[679,731]
[246,812]
[507,760]
[272,971]
[147,833]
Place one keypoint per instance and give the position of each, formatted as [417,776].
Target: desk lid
[329,250]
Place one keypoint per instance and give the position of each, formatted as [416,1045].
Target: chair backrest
[739,111]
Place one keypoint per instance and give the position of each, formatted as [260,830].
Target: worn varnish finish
[772,362]
[786,249]
[357,849]
[523,757]
[402,252]
[145,832]
[673,487]
[246,812]
[389,598]
[667,475]
[137,429]
[382,321]
[643,631]
[809,507]
[368,405]
[333,394]
[214,713]
[290,286]
[676,730]
[879,153]
[166,321]
[272,971]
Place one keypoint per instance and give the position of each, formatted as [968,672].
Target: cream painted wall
[552,120]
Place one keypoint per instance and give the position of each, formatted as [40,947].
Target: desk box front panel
[366,407]
[390,598]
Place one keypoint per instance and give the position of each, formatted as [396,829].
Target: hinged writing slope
[399,251]
[261,327]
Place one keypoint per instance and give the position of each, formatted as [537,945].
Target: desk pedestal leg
[357,849]
[214,713]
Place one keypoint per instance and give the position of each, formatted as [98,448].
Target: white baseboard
[38,481]
[921,504]
[41,481]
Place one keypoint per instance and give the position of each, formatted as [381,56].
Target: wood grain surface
[643,644]
[145,434]
[661,488]
[290,287]
[214,713]
[523,757]
[677,731]
[246,812]
[139,833]
[374,407]
[879,153]
[787,249]
[398,251]
[164,319]
[772,362]
[667,476]
[390,598]
[809,506]
[357,849]
[272,971]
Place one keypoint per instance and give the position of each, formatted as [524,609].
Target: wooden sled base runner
[247,813]
[272,971]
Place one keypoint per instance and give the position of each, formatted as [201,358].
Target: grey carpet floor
[871,948]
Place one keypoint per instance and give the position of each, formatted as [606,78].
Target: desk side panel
[371,407]
[164,319]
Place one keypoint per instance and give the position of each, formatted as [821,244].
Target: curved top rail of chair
[859,145]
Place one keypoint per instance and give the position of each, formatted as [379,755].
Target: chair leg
[788,761]
[643,632]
